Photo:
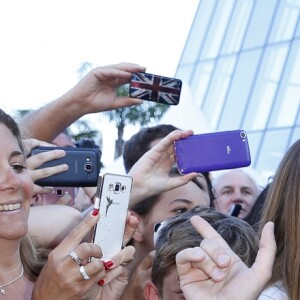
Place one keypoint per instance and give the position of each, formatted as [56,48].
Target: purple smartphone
[212,151]
[155,88]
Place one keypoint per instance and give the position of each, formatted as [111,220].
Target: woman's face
[16,188]
[172,203]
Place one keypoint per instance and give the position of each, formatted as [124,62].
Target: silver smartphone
[114,193]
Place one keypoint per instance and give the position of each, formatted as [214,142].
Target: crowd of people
[181,240]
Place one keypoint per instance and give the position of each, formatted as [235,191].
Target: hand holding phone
[212,151]
[112,199]
[83,163]
[155,88]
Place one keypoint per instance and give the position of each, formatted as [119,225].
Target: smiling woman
[25,271]
[16,189]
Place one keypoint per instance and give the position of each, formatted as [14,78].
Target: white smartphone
[114,193]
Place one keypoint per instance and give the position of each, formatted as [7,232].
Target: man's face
[235,187]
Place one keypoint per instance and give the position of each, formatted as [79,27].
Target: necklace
[2,291]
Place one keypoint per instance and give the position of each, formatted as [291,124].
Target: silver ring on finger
[83,273]
[75,257]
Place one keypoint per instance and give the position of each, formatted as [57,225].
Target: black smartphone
[113,193]
[84,167]
[235,210]
[155,88]
[212,151]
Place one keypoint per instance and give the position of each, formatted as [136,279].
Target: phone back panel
[83,163]
[155,88]
[212,151]
[114,200]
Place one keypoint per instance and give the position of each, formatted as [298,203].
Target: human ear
[150,291]
[138,236]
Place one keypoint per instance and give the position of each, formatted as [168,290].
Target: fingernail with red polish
[108,265]
[95,212]
[101,282]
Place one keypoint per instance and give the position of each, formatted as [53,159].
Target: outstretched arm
[213,271]
[94,93]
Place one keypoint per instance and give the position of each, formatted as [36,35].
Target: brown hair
[179,234]
[282,206]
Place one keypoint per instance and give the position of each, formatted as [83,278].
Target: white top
[274,291]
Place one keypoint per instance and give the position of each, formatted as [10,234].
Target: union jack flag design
[155,88]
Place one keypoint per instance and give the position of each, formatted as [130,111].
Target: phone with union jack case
[155,88]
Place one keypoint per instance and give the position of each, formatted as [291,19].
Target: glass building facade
[242,63]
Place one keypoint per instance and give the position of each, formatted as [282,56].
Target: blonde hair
[33,258]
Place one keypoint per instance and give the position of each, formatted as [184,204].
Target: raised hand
[213,271]
[151,173]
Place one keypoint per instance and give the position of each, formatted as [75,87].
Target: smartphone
[212,151]
[155,88]
[55,197]
[84,167]
[113,191]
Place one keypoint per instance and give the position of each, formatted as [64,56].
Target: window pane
[201,81]
[265,87]
[198,31]
[296,134]
[285,22]
[260,22]
[239,90]
[254,143]
[272,151]
[237,26]
[215,97]
[217,29]
[288,97]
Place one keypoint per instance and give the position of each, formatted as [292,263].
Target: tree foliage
[143,114]
[82,129]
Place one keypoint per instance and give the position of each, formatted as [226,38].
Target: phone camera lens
[59,192]
[88,167]
[243,134]
[117,187]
